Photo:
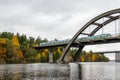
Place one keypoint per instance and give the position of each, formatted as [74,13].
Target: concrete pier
[117,57]
[74,71]
[50,56]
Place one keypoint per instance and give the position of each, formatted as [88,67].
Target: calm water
[40,71]
[100,71]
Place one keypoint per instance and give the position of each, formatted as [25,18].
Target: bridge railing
[82,39]
[115,35]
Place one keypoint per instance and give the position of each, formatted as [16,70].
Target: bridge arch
[93,21]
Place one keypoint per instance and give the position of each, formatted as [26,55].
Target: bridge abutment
[117,57]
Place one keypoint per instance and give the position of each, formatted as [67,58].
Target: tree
[16,49]
[45,55]
[57,53]
[37,41]
[38,57]
[15,42]
[3,50]
[31,42]
[23,40]
[8,35]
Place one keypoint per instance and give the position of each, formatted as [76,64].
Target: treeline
[19,49]
[88,56]
[93,57]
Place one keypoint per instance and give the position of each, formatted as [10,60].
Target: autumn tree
[18,55]
[57,53]
[3,50]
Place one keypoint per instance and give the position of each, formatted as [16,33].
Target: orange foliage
[3,50]
[20,54]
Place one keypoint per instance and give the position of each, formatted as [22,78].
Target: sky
[51,19]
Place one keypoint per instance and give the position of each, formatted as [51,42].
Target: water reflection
[117,71]
[10,72]
[87,71]
[100,71]
[34,72]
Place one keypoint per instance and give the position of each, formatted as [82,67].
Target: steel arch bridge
[98,25]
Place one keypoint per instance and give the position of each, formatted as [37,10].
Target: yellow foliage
[2,41]
[82,59]
[38,56]
[44,54]
[46,51]
[15,41]
[93,57]
[59,51]
[36,45]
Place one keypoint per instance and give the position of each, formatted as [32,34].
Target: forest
[16,48]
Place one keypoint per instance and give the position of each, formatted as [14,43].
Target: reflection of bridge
[96,24]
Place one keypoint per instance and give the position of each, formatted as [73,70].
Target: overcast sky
[50,19]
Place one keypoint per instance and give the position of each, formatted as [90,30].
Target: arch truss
[110,16]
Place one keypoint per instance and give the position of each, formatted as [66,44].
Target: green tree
[8,35]
[31,41]
[37,41]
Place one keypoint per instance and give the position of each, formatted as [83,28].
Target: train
[83,39]
[93,38]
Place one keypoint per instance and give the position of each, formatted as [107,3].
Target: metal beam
[98,24]
[111,17]
[85,34]
[105,23]
[77,54]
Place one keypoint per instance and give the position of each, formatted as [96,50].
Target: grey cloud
[48,16]
[52,19]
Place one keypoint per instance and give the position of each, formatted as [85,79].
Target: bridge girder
[91,22]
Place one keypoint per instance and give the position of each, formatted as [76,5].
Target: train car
[51,42]
[67,41]
[83,39]
[98,37]
[43,44]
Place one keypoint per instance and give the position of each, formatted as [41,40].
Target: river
[46,71]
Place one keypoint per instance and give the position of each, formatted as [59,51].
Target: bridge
[90,35]
[117,54]
[91,40]
[105,52]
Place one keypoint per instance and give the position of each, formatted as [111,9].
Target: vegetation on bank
[19,49]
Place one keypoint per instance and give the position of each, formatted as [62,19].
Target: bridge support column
[50,55]
[117,57]
[74,71]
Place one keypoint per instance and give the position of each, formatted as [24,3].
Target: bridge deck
[78,43]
